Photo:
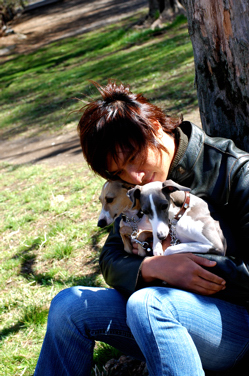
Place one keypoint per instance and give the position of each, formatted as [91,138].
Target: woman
[182,313]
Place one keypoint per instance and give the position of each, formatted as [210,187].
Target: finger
[211,277]
[203,286]
[203,273]
[207,288]
[201,290]
[135,251]
[134,245]
[202,260]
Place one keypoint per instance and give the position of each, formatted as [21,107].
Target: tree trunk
[153,8]
[219,30]
[169,9]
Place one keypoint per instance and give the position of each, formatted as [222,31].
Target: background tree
[219,31]
[8,10]
[161,11]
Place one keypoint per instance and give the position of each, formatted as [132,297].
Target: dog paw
[158,251]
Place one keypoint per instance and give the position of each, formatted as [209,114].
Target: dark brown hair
[120,121]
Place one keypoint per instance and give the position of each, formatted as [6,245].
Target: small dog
[133,226]
[171,209]
[114,200]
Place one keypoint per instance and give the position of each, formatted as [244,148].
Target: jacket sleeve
[119,268]
[234,268]
[235,273]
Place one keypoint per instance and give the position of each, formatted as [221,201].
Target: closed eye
[114,174]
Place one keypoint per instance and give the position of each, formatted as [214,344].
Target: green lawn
[49,241]
[48,234]
[38,90]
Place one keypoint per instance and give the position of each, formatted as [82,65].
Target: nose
[161,236]
[102,223]
[162,231]
[134,176]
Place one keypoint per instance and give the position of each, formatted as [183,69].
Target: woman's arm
[119,268]
[122,270]
[185,271]
[202,274]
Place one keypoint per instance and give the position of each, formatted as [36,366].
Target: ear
[134,194]
[170,186]
[158,128]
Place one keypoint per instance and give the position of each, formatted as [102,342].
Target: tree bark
[168,9]
[219,31]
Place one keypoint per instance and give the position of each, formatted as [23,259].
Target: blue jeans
[176,332]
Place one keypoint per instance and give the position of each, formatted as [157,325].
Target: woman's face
[154,167]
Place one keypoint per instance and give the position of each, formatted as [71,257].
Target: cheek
[127,178]
[165,165]
[156,161]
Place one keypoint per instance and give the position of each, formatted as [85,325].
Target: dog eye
[164,206]
[146,212]
[109,200]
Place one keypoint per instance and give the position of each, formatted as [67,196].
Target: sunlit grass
[48,241]
[38,90]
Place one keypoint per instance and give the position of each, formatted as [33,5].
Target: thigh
[220,330]
[100,314]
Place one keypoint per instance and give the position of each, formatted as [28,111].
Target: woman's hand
[184,271]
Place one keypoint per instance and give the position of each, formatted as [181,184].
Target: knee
[147,303]
[137,300]
[137,307]
[62,309]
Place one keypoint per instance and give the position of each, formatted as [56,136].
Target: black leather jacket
[216,170]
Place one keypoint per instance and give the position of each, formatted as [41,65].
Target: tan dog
[114,200]
[133,228]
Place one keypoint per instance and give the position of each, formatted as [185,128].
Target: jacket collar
[186,163]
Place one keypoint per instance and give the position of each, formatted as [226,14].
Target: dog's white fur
[114,202]
[196,229]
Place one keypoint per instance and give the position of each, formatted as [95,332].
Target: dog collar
[173,222]
[133,220]
[184,207]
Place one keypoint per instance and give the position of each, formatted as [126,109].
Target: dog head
[114,200]
[155,201]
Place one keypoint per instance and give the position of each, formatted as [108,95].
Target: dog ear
[134,194]
[170,186]
[127,186]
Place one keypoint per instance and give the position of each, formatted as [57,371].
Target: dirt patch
[56,149]
[51,21]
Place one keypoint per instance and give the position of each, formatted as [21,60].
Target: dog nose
[102,223]
[161,236]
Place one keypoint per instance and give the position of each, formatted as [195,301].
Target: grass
[48,234]
[48,241]
[38,90]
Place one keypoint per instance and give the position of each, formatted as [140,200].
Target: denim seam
[148,315]
[114,332]
[241,355]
